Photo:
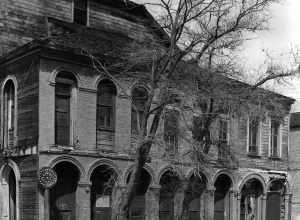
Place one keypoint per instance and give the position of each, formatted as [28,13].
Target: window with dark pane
[139,99]
[62,113]
[253,135]
[80,11]
[106,105]
[65,83]
[171,130]
[9,114]
[275,125]
[223,139]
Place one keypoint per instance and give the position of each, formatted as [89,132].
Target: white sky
[283,35]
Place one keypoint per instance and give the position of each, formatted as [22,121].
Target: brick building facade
[58,112]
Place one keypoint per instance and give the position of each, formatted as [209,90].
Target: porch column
[178,199]
[117,194]
[233,202]
[83,198]
[287,205]
[209,203]
[263,206]
[152,203]
[238,205]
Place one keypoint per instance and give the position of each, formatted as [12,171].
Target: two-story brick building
[58,112]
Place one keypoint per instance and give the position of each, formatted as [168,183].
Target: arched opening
[275,200]
[105,119]
[139,99]
[9,194]
[103,180]
[63,194]
[65,105]
[222,198]
[169,182]
[137,207]
[251,200]
[194,196]
[9,117]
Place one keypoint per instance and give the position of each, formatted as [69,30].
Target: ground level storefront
[90,188]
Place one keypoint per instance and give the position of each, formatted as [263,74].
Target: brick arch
[3,173]
[253,176]
[285,183]
[208,177]
[106,162]
[227,173]
[147,168]
[100,78]
[71,160]
[170,168]
[64,69]
[139,85]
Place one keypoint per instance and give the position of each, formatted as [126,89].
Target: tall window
[64,97]
[106,105]
[253,136]
[171,130]
[223,139]
[139,99]
[80,13]
[275,139]
[9,104]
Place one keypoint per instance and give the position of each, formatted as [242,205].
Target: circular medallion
[47,177]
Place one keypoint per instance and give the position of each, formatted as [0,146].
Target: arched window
[106,98]
[9,114]
[171,130]
[139,99]
[65,92]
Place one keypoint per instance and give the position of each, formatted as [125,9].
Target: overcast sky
[283,35]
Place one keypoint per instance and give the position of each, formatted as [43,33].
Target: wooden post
[47,203]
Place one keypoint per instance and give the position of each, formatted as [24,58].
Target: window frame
[279,140]
[174,147]
[104,105]
[259,126]
[4,133]
[223,155]
[73,84]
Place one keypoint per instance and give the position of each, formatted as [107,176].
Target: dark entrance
[222,198]
[12,195]
[169,183]
[275,200]
[103,180]
[137,208]
[63,194]
[251,200]
[196,188]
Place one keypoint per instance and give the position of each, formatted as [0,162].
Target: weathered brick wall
[28,187]
[24,20]
[26,73]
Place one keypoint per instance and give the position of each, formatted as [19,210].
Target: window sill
[254,155]
[274,158]
[66,148]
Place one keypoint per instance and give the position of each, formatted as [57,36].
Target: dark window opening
[80,12]
[171,131]
[9,114]
[139,99]
[275,125]
[253,136]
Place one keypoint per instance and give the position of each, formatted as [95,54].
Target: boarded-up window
[62,113]
[275,141]
[80,12]
[9,114]
[139,99]
[171,130]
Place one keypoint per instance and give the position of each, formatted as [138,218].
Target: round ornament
[47,177]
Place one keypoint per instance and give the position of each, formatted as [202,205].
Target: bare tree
[191,60]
